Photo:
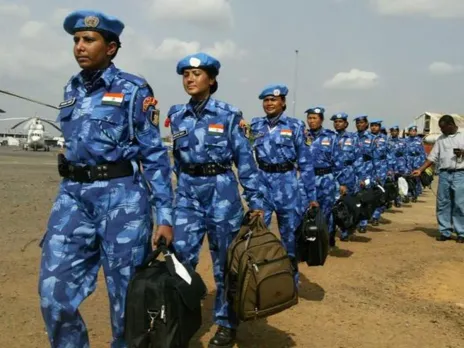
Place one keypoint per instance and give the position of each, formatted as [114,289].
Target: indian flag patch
[286,132]
[325,142]
[113,99]
[216,129]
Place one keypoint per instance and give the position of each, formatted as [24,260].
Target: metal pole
[295,81]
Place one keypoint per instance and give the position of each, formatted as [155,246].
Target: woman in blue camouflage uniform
[103,214]
[208,138]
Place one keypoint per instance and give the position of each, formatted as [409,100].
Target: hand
[417,172]
[389,173]
[256,212]
[162,231]
[362,183]
[343,190]
[313,204]
[458,152]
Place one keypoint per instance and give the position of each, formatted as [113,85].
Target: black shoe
[397,205]
[406,200]
[362,229]
[375,222]
[224,338]
[442,238]
[414,200]
[460,240]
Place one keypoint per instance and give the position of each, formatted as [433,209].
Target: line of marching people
[332,163]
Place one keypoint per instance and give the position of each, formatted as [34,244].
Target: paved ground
[393,287]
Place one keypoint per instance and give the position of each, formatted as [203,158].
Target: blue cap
[316,110]
[412,127]
[198,60]
[339,116]
[83,20]
[275,90]
[379,122]
[395,127]
[360,118]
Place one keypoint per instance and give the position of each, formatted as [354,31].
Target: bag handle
[166,250]
[251,224]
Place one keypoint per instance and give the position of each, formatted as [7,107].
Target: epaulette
[175,109]
[136,80]
[255,120]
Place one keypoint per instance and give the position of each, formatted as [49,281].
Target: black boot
[362,229]
[224,338]
[375,222]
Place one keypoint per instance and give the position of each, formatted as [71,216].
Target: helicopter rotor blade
[51,124]
[20,123]
[13,118]
[28,99]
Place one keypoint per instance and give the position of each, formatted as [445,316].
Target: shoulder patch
[67,103]
[136,80]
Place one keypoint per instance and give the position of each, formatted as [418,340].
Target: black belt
[383,157]
[205,169]
[348,163]
[399,154]
[322,171]
[88,174]
[367,158]
[276,167]
[452,170]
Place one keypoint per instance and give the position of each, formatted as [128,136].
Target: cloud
[354,79]
[13,10]
[31,29]
[172,48]
[431,8]
[443,68]
[205,13]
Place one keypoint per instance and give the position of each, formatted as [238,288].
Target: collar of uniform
[282,118]
[210,106]
[108,76]
[317,133]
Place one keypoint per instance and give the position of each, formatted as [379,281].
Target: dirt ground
[392,287]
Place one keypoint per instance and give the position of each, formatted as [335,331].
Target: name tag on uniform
[67,103]
[179,135]
[216,129]
[286,133]
[258,135]
[115,99]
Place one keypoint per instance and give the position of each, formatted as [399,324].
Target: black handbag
[312,238]
[162,309]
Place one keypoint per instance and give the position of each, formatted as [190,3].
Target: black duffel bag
[312,238]
[391,190]
[426,179]
[371,198]
[162,309]
[347,212]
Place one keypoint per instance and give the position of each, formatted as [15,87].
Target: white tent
[427,123]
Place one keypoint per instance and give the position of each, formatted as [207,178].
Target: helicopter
[35,125]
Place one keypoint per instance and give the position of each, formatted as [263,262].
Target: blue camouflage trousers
[282,196]
[326,192]
[105,223]
[208,205]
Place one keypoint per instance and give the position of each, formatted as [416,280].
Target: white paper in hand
[181,270]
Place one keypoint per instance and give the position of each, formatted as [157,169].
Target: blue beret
[379,122]
[275,90]
[395,127]
[360,117]
[198,60]
[315,110]
[92,20]
[412,127]
[339,116]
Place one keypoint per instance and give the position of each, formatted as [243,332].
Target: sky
[390,59]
